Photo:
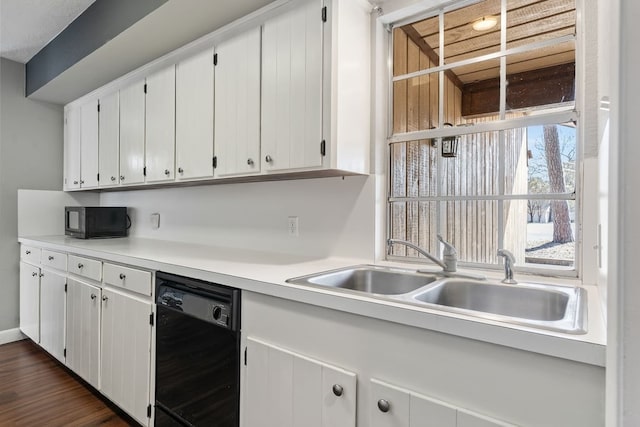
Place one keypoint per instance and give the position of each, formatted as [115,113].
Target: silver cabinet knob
[75,182]
[180,170]
[93,296]
[105,298]
[82,181]
[122,276]
[41,274]
[80,265]
[27,252]
[50,258]
[121,177]
[113,178]
[250,162]
[34,274]
[268,159]
[167,172]
[337,390]
[384,405]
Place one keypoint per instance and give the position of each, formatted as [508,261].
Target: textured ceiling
[26,26]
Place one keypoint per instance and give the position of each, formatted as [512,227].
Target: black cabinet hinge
[144,171]
[323,148]
[151,319]
[148,411]
[64,352]
[65,288]
[145,88]
[97,177]
[215,162]
[98,108]
[215,59]
[245,356]
[324,14]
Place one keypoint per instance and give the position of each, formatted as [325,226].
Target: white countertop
[266,273]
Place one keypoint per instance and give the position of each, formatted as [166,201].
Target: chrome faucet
[449,256]
[509,261]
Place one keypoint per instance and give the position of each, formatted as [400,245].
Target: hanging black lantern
[449,146]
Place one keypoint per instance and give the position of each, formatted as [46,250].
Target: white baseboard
[11,335]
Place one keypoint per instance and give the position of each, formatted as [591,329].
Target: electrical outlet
[292,226]
[155,221]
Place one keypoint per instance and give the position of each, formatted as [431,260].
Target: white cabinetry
[71,179]
[83,330]
[160,125]
[30,301]
[237,105]
[132,115]
[285,389]
[292,89]
[125,352]
[52,313]
[109,138]
[194,117]
[89,145]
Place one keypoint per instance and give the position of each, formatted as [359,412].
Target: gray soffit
[101,22]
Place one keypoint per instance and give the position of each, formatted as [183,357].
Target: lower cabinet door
[30,301]
[52,313]
[286,389]
[83,330]
[126,352]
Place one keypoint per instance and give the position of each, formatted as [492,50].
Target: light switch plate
[155,221]
[292,226]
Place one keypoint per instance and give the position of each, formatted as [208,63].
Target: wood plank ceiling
[528,21]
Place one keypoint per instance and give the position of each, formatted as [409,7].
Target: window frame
[541,116]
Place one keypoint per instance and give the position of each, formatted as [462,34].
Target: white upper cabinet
[89,145]
[237,105]
[194,117]
[109,137]
[160,125]
[71,179]
[292,89]
[132,106]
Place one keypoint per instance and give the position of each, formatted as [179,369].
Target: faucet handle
[449,249]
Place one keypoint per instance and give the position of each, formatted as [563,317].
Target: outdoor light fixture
[485,23]
[449,144]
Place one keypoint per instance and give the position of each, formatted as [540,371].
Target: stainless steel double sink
[550,307]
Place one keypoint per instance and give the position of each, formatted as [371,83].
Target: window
[494,81]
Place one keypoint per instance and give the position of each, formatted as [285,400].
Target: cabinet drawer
[53,259]
[30,254]
[85,267]
[127,278]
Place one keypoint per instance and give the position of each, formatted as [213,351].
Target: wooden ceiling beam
[415,37]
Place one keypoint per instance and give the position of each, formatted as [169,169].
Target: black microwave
[86,222]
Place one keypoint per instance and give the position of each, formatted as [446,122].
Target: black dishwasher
[197,353]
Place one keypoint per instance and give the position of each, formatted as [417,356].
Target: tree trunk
[559,208]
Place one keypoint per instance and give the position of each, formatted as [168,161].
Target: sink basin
[544,306]
[369,279]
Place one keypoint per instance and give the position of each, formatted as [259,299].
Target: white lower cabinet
[393,406]
[30,301]
[125,352]
[286,389]
[83,330]
[52,312]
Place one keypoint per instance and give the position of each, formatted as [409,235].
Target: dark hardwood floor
[36,390]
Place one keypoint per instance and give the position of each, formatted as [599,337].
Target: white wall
[30,157]
[336,215]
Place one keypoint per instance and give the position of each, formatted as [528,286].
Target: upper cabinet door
[89,145]
[292,89]
[71,149]
[161,125]
[109,147]
[132,134]
[237,101]
[194,117]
